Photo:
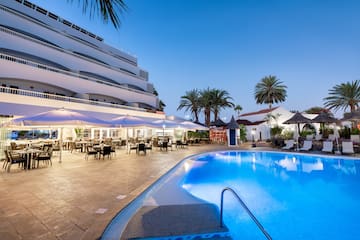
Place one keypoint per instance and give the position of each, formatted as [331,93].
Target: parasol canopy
[193,126]
[298,118]
[352,116]
[324,117]
[60,117]
[165,123]
[131,121]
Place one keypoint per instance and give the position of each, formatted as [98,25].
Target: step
[180,222]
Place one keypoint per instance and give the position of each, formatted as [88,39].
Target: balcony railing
[23,92]
[69,73]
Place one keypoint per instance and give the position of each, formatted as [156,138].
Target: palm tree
[206,104]
[220,99]
[270,90]
[191,101]
[162,105]
[107,9]
[344,95]
[238,108]
[316,110]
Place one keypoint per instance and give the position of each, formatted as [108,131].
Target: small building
[259,123]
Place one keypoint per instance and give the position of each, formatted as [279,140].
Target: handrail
[262,229]
[50,96]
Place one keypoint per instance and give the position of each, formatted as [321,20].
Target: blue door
[232,136]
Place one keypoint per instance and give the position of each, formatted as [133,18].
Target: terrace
[76,199]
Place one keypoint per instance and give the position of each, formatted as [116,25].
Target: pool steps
[176,222]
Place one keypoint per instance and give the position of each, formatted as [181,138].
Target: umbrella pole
[60,144]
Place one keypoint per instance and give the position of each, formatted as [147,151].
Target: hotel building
[48,62]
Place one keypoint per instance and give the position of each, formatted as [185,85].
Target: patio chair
[105,151]
[44,156]
[148,146]
[327,146]
[113,149]
[289,144]
[14,158]
[347,147]
[164,146]
[90,151]
[306,146]
[75,146]
[141,148]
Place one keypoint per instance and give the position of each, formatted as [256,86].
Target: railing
[134,63]
[72,74]
[65,98]
[258,224]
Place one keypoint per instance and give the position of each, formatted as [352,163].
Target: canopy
[164,123]
[193,126]
[352,116]
[298,118]
[324,117]
[131,121]
[60,117]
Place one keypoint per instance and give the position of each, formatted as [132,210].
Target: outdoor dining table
[135,146]
[28,152]
[83,145]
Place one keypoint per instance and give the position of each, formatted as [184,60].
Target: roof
[232,124]
[298,118]
[247,122]
[218,123]
[263,111]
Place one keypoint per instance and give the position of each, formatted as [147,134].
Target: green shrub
[242,132]
[275,131]
[287,134]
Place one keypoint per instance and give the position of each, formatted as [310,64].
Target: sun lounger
[347,147]
[310,137]
[355,138]
[289,144]
[306,146]
[327,146]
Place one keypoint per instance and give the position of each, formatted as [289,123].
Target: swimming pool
[294,196]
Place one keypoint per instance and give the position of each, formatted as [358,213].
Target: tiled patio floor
[76,199]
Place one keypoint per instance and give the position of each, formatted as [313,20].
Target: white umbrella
[60,118]
[192,125]
[164,123]
[131,121]
[128,121]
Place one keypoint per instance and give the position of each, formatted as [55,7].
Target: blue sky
[231,44]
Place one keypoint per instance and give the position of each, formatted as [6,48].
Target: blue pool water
[294,196]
